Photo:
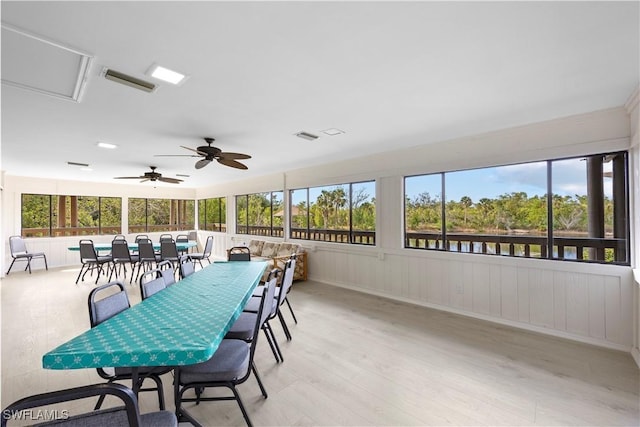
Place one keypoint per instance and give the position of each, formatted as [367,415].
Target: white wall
[590,303]
[633,108]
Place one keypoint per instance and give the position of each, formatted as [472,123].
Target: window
[260,214]
[212,214]
[343,213]
[506,210]
[62,215]
[149,215]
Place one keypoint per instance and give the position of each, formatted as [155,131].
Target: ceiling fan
[152,176]
[210,153]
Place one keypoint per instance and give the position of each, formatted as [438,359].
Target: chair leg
[255,372]
[273,343]
[284,325]
[244,411]
[14,260]
[79,274]
[45,262]
[291,310]
[158,382]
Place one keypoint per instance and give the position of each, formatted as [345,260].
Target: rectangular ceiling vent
[306,135]
[125,79]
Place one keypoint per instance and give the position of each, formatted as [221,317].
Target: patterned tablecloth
[180,325]
[181,246]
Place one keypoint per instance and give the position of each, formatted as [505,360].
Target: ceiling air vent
[127,80]
[306,135]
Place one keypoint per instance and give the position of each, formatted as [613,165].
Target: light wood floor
[355,360]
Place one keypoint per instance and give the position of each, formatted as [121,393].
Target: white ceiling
[390,74]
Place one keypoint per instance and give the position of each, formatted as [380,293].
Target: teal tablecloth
[180,325]
[134,246]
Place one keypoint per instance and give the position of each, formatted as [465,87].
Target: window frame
[269,230]
[552,247]
[174,205]
[71,212]
[353,237]
[203,209]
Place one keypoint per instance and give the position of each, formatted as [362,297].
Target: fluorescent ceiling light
[166,75]
[107,145]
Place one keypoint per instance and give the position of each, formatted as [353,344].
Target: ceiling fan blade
[194,150]
[170,180]
[144,180]
[128,177]
[232,163]
[235,156]
[202,163]
[175,155]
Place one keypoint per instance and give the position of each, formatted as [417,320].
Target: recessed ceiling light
[332,131]
[107,145]
[166,75]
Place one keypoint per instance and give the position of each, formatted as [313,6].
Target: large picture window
[151,215]
[260,214]
[46,215]
[507,210]
[343,213]
[212,214]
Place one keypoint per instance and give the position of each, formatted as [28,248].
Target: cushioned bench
[279,253]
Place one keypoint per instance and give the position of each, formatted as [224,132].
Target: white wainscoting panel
[588,303]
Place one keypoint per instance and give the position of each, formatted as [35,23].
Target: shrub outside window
[152,215]
[260,214]
[46,215]
[212,214]
[337,213]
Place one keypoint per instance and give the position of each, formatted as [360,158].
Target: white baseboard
[635,352]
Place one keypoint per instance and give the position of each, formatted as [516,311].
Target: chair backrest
[182,238]
[87,251]
[264,306]
[105,308]
[140,237]
[239,253]
[17,245]
[271,291]
[167,272]
[120,250]
[146,251]
[166,238]
[187,266]
[151,282]
[208,247]
[287,279]
[168,250]
[193,236]
[111,416]
[119,237]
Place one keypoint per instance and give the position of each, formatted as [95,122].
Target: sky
[569,178]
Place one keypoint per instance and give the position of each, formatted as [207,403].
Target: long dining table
[181,246]
[180,325]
